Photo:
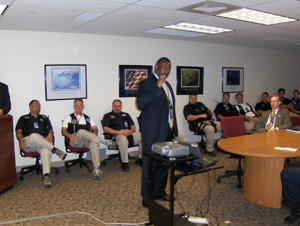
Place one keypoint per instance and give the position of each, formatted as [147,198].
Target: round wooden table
[262,163]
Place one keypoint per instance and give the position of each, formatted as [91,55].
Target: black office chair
[198,132]
[233,126]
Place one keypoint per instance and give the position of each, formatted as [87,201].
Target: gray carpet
[116,198]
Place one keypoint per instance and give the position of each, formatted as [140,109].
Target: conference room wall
[24,54]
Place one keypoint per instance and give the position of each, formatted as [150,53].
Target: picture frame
[65,81]
[189,80]
[232,80]
[130,77]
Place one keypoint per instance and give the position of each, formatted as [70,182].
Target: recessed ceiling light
[87,16]
[254,16]
[3,8]
[197,28]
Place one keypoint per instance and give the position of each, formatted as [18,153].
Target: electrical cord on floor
[183,192]
[143,223]
[207,198]
[65,214]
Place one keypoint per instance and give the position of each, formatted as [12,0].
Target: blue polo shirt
[296,104]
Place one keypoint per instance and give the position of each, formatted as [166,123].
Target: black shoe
[165,198]
[294,216]
[145,204]
[211,153]
[139,162]
[125,167]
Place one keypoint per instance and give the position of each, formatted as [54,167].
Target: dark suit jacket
[282,120]
[4,98]
[153,103]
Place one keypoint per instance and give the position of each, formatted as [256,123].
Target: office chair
[233,126]
[197,131]
[80,160]
[295,120]
[36,167]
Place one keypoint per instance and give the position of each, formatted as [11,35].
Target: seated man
[35,134]
[199,113]
[245,109]
[296,102]
[264,105]
[82,131]
[290,178]
[225,109]
[275,119]
[121,127]
[285,102]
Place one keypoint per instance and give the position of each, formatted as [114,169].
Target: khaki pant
[209,131]
[88,140]
[122,142]
[36,143]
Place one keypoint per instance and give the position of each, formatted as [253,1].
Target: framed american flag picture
[130,78]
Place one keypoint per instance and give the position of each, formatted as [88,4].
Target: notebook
[195,150]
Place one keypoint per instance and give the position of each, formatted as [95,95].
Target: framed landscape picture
[233,80]
[64,82]
[189,80]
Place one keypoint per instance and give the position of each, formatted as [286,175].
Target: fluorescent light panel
[2,8]
[197,28]
[254,16]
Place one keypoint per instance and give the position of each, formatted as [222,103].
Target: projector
[170,149]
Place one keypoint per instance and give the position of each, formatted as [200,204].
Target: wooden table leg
[262,182]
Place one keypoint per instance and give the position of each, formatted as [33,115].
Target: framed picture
[233,80]
[130,78]
[189,80]
[63,82]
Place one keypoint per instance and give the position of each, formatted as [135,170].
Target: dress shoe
[293,217]
[210,153]
[165,198]
[125,167]
[145,204]
[139,162]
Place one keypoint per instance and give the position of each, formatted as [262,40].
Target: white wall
[24,54]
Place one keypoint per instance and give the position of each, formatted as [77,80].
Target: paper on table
[285,149]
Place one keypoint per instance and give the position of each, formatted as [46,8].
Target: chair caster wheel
[218,180]
[104,163]
[239,186]
[21,178]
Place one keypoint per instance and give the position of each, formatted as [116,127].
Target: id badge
[36,125]
[171,113]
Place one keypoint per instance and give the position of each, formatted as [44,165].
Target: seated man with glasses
[274,119]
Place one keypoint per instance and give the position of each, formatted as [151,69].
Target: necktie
[271,121]
[170,106]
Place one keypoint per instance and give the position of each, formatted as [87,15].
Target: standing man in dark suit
[156,100]
[274,119]
[4,99]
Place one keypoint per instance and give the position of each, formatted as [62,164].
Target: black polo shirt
[117,121]
[196,109]
[226,110]
[29,124]
[263,106]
